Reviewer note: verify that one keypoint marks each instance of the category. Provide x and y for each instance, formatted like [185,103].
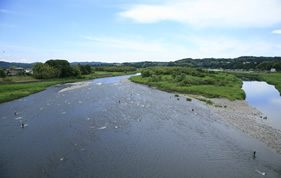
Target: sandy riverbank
[75,86]
[248,119]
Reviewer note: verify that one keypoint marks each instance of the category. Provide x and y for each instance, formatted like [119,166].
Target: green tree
[88,68]
[2,73]
[44,71]
[277,66]
[76,71]
[63,66]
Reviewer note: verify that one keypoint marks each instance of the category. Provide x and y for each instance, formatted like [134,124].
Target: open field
[17,79]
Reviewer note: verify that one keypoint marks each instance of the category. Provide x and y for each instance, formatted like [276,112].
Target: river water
[266,99]
[87,132]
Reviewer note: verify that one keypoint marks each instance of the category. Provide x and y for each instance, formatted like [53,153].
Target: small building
[15,71]
[19,69]
[29,71]
[12,72]
[272,70]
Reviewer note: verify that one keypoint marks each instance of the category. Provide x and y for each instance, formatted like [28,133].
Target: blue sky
[139,30]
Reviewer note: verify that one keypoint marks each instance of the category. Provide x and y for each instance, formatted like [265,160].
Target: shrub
[206,101]
[155,78]
[2,73]
[160,78]
[188,99]
[146,73]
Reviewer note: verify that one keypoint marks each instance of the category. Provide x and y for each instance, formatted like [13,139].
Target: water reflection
[265,98]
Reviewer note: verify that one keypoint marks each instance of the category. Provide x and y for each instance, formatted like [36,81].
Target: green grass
[18,89]
[10,92]
[221,85]
[16,79]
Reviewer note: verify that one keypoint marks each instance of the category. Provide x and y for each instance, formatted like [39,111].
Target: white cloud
[6,11]
[202,13]
[276,31]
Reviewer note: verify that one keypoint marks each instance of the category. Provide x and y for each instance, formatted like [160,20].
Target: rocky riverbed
[248,119]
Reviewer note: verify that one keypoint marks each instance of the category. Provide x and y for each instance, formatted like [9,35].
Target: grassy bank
[10,92]
[21,86]
[192,81]
[270,78]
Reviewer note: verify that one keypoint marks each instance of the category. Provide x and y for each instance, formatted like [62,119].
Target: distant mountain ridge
[5,65]
[243,62]
[89,63]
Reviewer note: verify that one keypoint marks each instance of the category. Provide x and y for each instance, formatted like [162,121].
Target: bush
[188,99]
[206,101]
[2,73]
[160,78]
[146,73]
[154,78]
[44,71]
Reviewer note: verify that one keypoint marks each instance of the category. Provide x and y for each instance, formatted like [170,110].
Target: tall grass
[211,86]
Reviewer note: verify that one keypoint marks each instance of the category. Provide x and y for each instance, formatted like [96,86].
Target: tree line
[59,69]
[116,69]
[243,62]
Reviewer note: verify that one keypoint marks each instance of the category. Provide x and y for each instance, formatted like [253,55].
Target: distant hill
[243,62]
[91,63]
[5,65]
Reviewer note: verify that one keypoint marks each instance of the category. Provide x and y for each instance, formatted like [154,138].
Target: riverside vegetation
[270,78]
[177,79]
[185,80]
[209,84]
[51,73]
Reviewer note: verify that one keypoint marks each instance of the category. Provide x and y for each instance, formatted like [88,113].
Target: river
[266,99]
[121,129]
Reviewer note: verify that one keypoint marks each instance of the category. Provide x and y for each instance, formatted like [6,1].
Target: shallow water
[87,132]
[266,99]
